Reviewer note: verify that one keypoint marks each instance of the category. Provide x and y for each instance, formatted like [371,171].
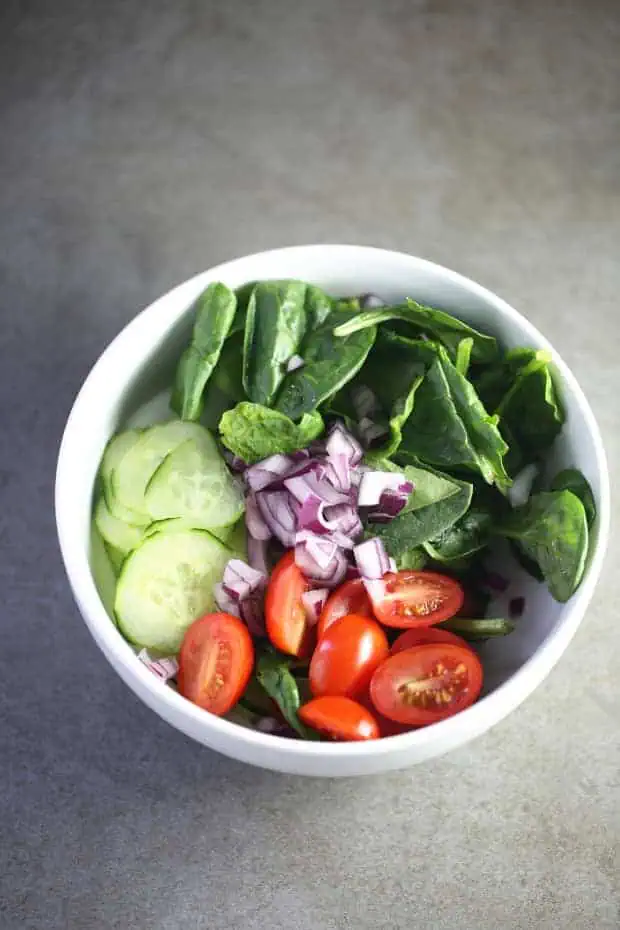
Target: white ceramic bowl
[141,360]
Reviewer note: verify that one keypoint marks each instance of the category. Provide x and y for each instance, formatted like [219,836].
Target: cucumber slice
[174,524]
[132,474]
[104,575]
[237,539]
[194,483]
[115,451]
[122,536]
[116,558]
[166,584]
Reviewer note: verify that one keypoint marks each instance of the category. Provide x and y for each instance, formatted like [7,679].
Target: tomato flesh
[285,617]
[215,662]
[415,599]
[425,684]
[349,598]
[423,636]
[339,718]
[346,656]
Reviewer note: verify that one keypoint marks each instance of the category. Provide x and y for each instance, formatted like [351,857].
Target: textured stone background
[143,141]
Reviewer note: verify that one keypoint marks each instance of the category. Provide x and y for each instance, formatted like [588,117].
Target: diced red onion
[390,505]
[320,559]
[371,302]
[314,481]
[254,521]
[267,725]
[393,566]
[233,461]
[245,586]
[375,589]
[341,442]
[519,493]
[165,669]
[369,430]
[262,474]
[371,558]
[257,554]
[313,602]
[224,601]
[364,401]
[374,483]
[516,607]
[494,581]
[295,362]
[279,514]
[352,572]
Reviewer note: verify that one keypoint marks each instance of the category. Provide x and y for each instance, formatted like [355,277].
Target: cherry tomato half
[215,662]
[285,616]
[425,684]
[347,655]
[423,636]
[349,598]
[339,718]
[418,599]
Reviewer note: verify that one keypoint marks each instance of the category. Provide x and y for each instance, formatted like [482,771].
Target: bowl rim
[480,716]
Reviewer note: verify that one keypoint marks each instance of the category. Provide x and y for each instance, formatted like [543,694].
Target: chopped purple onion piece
[295,362]
[264,473]
[371,302]
[257,554]
[375,589]
[320,559]
[313,602]
[371,558]
[495,581]
[225,602]
[341,442]
[279,513]
[516,607]
[254,521]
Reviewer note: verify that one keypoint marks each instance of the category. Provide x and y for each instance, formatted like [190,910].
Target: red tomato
[339,718]
[347,655]
[285,617]
[215,662]
[387,727]
[349,598]
[422,636]
[418,599]
[425,684]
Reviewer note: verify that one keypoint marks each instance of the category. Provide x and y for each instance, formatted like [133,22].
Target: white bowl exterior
[101,407]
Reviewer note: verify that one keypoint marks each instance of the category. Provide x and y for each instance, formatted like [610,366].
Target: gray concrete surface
[141,142]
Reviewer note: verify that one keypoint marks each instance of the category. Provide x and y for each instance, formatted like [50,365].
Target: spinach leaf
[470,534]
[274,327]
[463,356]
[434,505]
[243,295]
[215,310]
[254,432]
[225,388]
[274,674]
[530,410]
[448,329]
[394,373]
[552,530]
[477,630]
[571,479]
[329,362]
[448,426]
[411,560]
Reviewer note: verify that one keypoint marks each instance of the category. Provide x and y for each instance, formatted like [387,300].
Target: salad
[302,546]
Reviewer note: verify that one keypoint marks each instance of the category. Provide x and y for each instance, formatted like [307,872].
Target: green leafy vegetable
[224,389]
[448,426]
[552,530]
[477,630]
[329,363]
[463,356]
[254,432]
[412,560]
[443,326]
[215,311]
[435,504]
[274,327]
[571,479]
[274,674]
[470,534]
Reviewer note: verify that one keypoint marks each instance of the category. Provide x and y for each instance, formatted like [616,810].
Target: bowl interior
[126,385]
